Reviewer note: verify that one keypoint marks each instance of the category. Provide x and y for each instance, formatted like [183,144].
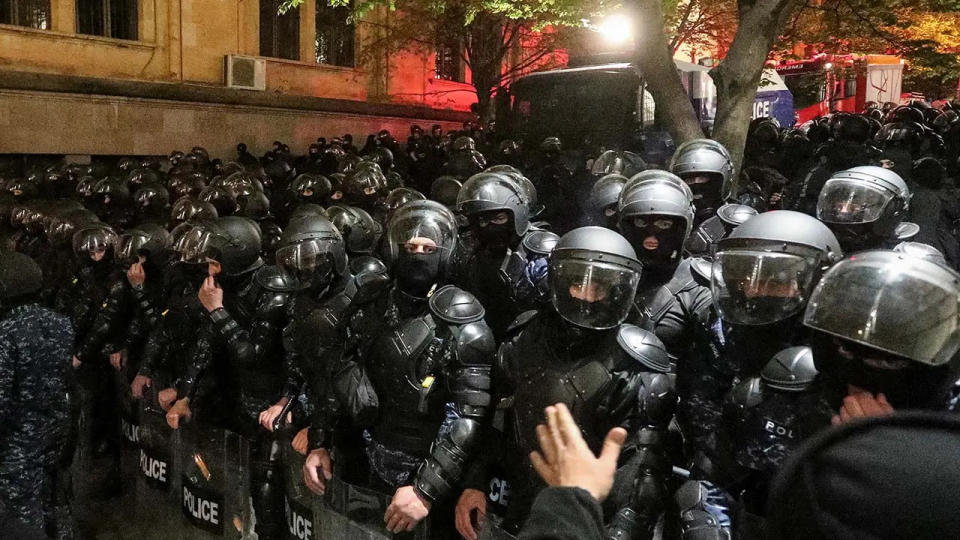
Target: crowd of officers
[411,309]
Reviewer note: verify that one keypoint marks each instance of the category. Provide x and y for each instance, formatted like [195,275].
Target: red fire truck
[831,83]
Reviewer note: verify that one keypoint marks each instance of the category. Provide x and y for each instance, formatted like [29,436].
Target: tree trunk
[738,75]
[656,62]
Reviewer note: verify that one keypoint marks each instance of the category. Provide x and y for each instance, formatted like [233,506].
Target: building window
[108,18]
[448,66]
[279,33]
[335,35]
[31,13]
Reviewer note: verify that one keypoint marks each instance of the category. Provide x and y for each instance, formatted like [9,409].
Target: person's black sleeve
[564,513]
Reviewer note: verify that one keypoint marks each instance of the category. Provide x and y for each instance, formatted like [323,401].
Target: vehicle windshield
[590,109]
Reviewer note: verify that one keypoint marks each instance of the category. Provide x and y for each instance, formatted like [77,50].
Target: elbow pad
[447,461]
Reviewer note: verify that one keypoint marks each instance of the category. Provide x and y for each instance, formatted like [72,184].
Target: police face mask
[417,273]
[905,383]
[658,240]
[706,193]
[494,229]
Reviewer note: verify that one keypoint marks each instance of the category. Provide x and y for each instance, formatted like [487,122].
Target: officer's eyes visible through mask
[420,245]
[500,218]
[662,224]
[589,292]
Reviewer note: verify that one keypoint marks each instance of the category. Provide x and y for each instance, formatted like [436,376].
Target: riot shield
[157,479]
[298,504]
[129,409]
[354,512]
[214,496]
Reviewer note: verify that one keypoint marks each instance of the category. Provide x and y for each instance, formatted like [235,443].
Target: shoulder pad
[644,347]
[272,279]
[701,270]
[455,305]
[367,286]
[540,242]
[905,231]
[521,321]
[748,393]
[367,263]
[791,370]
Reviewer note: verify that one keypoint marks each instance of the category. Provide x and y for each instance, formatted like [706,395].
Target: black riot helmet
[852,128]
[148,240]
[255,206]
[183,184]
[551,145]
[311,188]
[151,201]
[359,230]
[863,206]
[485,194]
[420,242]
[898,134]
[594,273]
[764,271]
[232,241]
[239,184]
[382,156]
[656,216]
[191,209]
[24,189]
[615,162]
[887,322]
[60,230]
[763,134]
[604,196]
[464,144]
[364,186]
[399,197]
[707,167]
[308,209]
[336,187]
[95,242]
[445,190]
[311,251]
[221,198]
[142,177]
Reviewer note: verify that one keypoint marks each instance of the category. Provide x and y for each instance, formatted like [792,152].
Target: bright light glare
[615,28]
[828,66]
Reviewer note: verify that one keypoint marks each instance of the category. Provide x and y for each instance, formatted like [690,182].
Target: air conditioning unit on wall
[245,72]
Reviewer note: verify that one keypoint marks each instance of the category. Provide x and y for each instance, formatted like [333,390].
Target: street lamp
[616,29]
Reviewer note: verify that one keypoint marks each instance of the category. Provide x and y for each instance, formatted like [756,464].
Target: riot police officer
[705,165]
[501,264]
[865,207]
[425,350]
[579,352]
[886,324]
[240,355]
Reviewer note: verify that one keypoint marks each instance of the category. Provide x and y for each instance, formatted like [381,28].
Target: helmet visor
[592,294]
[308,260]
[910,309]
[89,241]
[843,201]
[423,227]
[760,287]
[129,247]
[198,246]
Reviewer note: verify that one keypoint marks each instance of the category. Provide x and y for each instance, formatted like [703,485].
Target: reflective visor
[760,287]
[93,240]
[307,260]
[129,246]
[844,201]
[908,308]
[592,294]
[199,246]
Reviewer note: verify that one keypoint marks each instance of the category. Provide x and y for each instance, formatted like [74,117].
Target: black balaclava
[417,273]
[669,241]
